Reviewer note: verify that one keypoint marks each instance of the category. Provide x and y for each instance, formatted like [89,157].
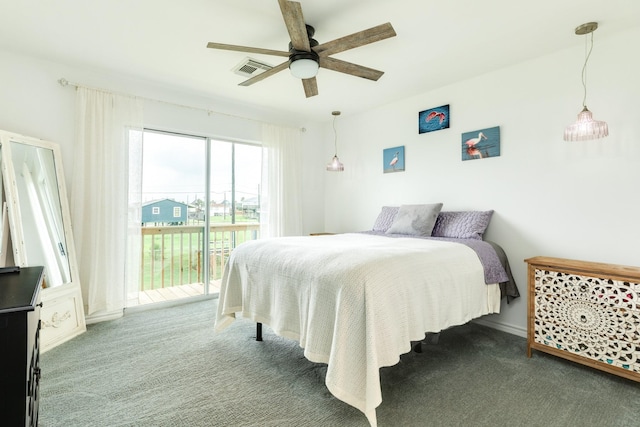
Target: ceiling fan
[306,55]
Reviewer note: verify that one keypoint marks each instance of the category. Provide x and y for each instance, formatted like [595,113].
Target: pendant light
[335,165]
[585,127]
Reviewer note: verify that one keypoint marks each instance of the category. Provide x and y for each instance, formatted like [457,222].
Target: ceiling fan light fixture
[304,65]
[304,50]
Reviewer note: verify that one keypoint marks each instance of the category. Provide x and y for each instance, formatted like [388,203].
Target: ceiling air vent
[250,67]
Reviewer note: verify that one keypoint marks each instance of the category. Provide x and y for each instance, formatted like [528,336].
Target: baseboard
[103,317]
[511,329]
[171,303]
[112,315]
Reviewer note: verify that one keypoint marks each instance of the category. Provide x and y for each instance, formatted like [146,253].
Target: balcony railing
[172,255]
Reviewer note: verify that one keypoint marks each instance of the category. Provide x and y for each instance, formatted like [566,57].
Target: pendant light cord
[335,133]
[584,70]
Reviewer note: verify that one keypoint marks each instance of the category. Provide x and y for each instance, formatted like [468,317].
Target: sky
[174,167]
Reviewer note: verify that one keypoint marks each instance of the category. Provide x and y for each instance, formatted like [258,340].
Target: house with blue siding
[164,212]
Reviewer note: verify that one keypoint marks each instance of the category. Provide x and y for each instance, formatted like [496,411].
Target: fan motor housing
[295,54]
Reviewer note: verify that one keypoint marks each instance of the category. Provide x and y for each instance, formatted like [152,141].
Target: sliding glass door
[234,201]
[173,178]
[199,199]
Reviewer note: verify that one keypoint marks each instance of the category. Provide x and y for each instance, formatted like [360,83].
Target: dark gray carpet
[166,367]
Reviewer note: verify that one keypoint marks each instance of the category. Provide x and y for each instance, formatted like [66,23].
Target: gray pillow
[415,220]
[385,218]
[462,225]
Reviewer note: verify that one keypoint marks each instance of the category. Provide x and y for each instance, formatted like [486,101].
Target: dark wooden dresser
[19,346]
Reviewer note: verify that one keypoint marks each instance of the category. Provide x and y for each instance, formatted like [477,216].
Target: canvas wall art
[481,144]
[433,119]
[393,159]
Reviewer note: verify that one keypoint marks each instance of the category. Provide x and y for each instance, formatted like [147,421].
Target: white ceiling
[437,42]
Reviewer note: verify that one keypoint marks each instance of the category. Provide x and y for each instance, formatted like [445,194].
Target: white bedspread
[355,301]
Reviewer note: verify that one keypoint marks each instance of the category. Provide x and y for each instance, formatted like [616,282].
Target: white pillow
[415,220]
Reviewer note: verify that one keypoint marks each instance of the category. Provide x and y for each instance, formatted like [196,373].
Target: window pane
[173,180]
[234,200]
[247,178]
[221,180]
[173,167]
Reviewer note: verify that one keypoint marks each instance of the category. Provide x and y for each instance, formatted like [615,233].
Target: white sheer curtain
[99,195]
[281,198]
[134,218]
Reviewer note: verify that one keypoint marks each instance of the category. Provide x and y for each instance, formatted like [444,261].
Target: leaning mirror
[40,231]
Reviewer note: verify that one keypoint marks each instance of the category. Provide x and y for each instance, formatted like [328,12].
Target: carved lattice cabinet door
[586,312]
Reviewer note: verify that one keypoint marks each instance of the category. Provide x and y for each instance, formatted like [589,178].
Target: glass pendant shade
[586,128]
[335,165]
[304,68]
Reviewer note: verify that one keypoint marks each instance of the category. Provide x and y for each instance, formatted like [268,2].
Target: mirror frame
[62,312]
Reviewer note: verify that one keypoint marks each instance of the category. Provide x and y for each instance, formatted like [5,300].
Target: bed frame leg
[430,338]
[258,331]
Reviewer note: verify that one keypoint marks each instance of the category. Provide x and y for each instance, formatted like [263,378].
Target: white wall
[575,200]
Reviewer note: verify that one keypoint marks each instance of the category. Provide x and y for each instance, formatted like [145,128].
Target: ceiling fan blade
[237,48]
[310,87]
[264,75]
[294,20]
[361,38]
[350,68]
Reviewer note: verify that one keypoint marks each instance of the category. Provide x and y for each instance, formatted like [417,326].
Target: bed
[357,301]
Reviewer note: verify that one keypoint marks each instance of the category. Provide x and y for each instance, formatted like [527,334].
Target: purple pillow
[385,218]
[462,225]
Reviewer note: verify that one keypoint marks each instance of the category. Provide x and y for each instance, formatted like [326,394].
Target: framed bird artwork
[481,144]
[433,119]
[393,159]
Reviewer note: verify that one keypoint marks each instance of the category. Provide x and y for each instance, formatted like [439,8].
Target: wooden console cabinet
[20,346]
[585,312]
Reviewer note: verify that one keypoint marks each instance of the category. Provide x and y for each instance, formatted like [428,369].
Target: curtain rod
[64,83]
